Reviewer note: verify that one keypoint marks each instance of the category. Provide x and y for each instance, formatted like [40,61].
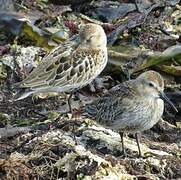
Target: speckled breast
[142,116]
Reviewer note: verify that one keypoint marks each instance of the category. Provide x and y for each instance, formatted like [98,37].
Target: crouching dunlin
[133,106]
[70,66]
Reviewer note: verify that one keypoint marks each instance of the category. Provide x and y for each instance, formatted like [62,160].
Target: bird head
[92,36]
[151,84]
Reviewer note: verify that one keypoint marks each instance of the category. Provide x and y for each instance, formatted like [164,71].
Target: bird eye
[151,84]
[89,40]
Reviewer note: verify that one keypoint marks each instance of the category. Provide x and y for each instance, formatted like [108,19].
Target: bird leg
[126,71]
[137,141]
[122,141]
[71,111]
[69,102]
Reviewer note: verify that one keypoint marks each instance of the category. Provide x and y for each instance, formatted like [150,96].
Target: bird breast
[94,67]
[140,116]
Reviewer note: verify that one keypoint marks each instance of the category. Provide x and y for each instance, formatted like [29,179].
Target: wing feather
[55,61]
[66,67]
[107,108]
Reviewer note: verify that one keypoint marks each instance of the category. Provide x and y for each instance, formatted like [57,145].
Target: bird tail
[91,110]
[21,92]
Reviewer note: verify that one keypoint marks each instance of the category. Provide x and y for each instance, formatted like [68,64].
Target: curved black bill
[164,97]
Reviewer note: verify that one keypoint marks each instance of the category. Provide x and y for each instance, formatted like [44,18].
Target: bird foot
[124,154]
[140,156]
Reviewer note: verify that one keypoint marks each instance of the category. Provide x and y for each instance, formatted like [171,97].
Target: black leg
[137,141]
[137,8]
[69,102]
[70,109]
[126,72]
[122,141]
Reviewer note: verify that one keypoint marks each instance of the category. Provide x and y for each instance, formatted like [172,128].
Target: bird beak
[164,97]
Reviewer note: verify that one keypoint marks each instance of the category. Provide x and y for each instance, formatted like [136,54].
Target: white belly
[141,117]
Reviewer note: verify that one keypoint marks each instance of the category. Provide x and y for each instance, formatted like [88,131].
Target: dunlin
[70,66]
[133,106]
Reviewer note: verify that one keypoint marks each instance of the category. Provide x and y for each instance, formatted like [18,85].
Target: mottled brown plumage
[132,106]
[71,65]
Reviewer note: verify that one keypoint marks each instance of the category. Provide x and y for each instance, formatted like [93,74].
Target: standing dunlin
[70,66]
[133,106]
